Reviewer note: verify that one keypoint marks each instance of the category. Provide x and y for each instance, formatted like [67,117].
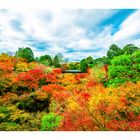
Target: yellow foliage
[73,105]
[5,58]
[97,73]
[40,95]
[21,67]
[67,79]
[32,65]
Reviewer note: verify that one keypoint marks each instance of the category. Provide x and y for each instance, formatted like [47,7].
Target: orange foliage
[30,79]
[81,99]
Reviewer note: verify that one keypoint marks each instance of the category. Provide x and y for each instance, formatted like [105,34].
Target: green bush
[50,121]
[8,126]
[4,113]
[74,66]
[124,68]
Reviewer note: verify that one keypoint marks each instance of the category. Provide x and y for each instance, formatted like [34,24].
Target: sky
[75,34]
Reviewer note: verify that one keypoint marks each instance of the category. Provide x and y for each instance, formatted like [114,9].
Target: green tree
[46,60]
[124,68]
[89,60]
[56,61]
[60,57]
[113,51]
[100,61]
[129,49]
[26,53]
[83,65]
[74,66]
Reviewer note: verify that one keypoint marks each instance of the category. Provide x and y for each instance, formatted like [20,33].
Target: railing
[71,71]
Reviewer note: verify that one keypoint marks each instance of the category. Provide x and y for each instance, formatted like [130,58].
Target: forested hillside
[35,94]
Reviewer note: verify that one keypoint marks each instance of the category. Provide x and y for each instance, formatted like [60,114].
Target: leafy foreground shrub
[50,121]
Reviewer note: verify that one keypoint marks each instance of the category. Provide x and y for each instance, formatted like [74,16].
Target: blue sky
[74,33]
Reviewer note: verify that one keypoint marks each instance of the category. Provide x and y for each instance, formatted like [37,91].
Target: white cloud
[129,28]
[64,30]
[54,26]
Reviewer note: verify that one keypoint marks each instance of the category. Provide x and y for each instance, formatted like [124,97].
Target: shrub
[4,113]
[50,122]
